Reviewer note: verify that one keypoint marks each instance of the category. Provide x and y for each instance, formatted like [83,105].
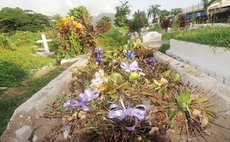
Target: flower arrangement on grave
[131,97]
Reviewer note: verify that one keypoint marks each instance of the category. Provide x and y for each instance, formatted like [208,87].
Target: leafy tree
[122,13]
[164,14]
[175,11]
[104,24]
[154,12]
[12,19]
[206,4]
[78,12]
[139,21]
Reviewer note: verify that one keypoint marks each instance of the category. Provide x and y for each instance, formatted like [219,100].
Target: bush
[182,21]
[156,28]
[165,23]
[164,48]
[75,38]
[104,24]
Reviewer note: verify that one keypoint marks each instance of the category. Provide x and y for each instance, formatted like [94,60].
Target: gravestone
[45,48]
[152,37]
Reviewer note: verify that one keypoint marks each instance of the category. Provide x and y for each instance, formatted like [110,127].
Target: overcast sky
[51,7]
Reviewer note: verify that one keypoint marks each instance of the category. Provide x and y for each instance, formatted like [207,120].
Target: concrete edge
[197,78]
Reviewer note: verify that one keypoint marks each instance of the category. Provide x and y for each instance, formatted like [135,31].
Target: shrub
[156,28]
[182,21]
[165,23]
[139,21]
[104,24]
[164,48]
[76,38]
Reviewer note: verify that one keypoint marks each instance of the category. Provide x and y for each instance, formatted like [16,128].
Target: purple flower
[84,99]
[150,62]
[121,112]
[99,52]
[133,67]
[129,54]
[99,55]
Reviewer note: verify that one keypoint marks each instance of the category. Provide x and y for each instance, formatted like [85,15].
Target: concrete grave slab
[214,61]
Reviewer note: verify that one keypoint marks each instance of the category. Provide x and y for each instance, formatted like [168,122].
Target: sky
[52,7]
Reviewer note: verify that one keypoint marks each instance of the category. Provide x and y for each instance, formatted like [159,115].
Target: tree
[104,24]
[12,19]
[206,4]
[78,12]
[122,13]
[154,12]
[164,14]
[139,21]
[175,11]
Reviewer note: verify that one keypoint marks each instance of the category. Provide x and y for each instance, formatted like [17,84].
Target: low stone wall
[217,93]
[27,123]
[214,61]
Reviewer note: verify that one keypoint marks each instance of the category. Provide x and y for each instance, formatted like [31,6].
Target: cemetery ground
[22,72]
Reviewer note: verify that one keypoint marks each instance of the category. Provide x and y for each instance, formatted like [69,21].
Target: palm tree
[154,12]
[207,3]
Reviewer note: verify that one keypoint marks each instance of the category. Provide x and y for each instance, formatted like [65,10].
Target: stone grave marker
[45,48]
[152,37]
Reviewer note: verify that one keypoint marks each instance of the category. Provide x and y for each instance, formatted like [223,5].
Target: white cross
[45,42]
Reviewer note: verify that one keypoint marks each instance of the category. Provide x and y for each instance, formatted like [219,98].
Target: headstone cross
[45,43]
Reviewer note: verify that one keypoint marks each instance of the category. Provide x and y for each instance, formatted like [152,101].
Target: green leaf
[167,73]
[184,100]
[176,77]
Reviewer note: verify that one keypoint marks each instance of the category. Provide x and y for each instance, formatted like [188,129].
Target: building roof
[199,6]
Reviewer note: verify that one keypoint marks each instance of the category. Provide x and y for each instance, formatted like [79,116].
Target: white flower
[99,79]
[130,67]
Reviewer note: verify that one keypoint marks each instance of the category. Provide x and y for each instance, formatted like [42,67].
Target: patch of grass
[8,103]
[210,36]
[113,39]
[17,65]
[164,48]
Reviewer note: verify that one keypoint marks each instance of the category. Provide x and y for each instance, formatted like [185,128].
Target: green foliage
[11,75]
[19,64]
[156,28]
[77,13]
[113,39]
[175,11]
[164,14]
[164,48]
[211,36]
[75,38]
[139,21]
[12,19]
[122,13]
[184,100]
[104,24]
[154,12]
[8,103]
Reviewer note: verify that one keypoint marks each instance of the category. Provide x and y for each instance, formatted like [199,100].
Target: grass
[211,36]
[113,39]
[9,101]
[19,64]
